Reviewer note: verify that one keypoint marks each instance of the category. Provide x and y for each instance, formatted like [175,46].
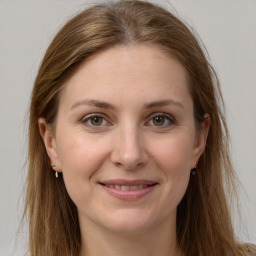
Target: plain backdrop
[228,30]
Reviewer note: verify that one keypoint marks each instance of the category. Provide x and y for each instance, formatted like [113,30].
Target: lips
[128,189]
[123,187]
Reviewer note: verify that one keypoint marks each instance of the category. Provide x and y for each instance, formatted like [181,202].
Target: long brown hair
[203,220]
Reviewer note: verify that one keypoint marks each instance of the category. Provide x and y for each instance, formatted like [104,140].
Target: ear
[200,140]
[47,134]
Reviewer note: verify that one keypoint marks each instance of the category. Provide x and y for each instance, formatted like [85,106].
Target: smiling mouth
[125,187]
[128,190]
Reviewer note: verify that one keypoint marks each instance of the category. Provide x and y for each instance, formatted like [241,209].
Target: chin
[129,222]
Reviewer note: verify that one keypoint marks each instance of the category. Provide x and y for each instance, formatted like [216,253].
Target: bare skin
[125,141]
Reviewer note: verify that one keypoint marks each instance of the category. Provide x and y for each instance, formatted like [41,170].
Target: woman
[128,146]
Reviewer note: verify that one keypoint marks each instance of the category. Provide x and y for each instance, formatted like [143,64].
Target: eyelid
[87,117]
[162,114]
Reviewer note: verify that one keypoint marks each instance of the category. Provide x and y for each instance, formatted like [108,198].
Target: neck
[157,241]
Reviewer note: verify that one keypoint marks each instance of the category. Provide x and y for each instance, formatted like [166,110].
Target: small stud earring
[193,171]
[56,173]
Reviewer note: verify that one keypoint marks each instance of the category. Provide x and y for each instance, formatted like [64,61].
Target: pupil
[159,120]
[96,121]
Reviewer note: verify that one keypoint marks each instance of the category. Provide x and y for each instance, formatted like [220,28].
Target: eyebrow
[163,103]
[106,105]
[95,103]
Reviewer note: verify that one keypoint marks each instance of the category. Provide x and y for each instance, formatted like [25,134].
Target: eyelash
[89,118]
[170,119]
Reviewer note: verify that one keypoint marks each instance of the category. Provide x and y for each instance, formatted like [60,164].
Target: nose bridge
[129,149]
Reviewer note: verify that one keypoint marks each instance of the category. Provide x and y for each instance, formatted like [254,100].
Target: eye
[95,120]
[161,120]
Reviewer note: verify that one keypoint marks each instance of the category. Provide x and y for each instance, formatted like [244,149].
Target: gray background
[228,30]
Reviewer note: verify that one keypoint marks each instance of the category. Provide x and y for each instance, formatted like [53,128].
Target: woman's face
[125,138]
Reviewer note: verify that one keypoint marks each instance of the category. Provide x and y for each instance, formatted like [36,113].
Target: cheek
[80,157]
[175,154]
[81,154]
[173,158]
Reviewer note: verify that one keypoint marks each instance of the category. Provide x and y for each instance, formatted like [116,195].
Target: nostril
[129,156]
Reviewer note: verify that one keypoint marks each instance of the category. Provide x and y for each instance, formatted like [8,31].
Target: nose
[129,149]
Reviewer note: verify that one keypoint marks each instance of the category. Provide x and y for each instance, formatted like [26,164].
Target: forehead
[122,71]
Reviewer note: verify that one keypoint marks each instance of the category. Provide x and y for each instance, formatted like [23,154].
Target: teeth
[123,187]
